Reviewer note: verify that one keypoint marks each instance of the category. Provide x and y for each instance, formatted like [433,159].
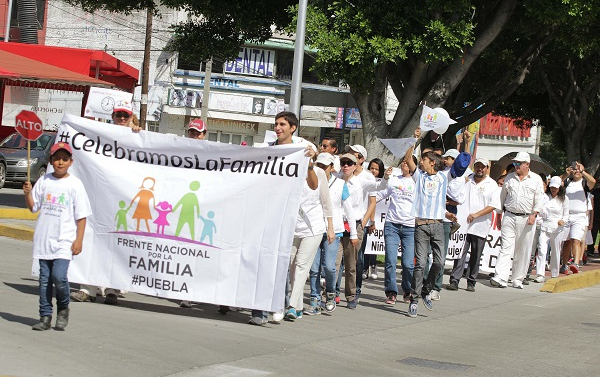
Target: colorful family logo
[61,200]
[188,208]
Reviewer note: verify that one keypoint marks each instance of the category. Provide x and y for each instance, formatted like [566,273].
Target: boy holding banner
[63,207]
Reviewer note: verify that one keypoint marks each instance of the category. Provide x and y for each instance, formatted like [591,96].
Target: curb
[17,213]
[571,282]
[19,232]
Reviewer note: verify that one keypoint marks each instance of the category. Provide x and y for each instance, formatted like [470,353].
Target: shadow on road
[17,318]
[27,289]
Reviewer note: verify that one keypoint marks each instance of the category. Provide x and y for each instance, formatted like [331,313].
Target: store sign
[252,61]
[233,125]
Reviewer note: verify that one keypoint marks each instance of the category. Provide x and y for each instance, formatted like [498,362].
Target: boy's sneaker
[525,281]
[539,279]
[330,304]
[365,275]
[391,299]
[277,317]
[452,286]
[373,274]
[412,309]
[184,304]
[406,298]
[81,296]
[564,269]
[427,301]
[257,321]
[435,295]
[351,304]
[111,299]
[299,314]
[291,314]
[470,287]
[574,268]
[43,324]
[62,319]
[314,307]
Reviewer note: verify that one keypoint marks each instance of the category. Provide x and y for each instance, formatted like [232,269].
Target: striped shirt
[430,195]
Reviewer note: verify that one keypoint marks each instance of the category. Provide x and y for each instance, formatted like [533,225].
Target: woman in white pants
[554,216]
[315,209]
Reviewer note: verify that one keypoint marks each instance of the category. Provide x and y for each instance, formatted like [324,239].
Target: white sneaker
[517,284]
[434,295]
[277,316]
[540,279]
[373,273]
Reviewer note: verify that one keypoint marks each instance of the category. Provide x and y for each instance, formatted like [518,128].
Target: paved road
[498,332]
[11,196]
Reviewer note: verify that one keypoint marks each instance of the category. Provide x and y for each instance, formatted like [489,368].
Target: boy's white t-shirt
[60,203]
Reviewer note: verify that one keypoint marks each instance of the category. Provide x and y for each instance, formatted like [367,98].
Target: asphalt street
[11,196]
[499,332]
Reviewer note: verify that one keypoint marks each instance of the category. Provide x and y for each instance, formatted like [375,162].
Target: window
[213,136]
[40,12]
[152,126]
[224,138]
[188,64]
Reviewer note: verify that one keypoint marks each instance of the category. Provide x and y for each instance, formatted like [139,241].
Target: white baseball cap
[555,181]
[325,159]
[357,148]
[522,157]
[483,161]
[451,153]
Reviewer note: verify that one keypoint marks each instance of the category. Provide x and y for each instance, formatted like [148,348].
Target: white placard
[101,102]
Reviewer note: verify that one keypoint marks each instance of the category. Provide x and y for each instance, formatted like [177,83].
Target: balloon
[441,130]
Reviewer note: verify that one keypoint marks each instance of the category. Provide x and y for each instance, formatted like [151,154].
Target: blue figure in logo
[209,227]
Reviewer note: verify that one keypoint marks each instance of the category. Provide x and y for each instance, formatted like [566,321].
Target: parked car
[2,170]
[14,148]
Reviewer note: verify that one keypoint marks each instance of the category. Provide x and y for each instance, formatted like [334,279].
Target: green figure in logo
[121,216]
[190,209]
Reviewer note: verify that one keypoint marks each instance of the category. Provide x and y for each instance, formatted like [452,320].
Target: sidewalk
[19,224]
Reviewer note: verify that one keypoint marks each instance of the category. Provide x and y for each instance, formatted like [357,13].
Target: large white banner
[185,219]
[376,242]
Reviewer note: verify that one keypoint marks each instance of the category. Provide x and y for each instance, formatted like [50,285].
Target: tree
[214,28]
[427,52]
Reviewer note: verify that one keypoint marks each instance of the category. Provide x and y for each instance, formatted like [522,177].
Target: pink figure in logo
[163,209]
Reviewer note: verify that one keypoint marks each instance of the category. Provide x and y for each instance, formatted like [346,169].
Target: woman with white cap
[554,216]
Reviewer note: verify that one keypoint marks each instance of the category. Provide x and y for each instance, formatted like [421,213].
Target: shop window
[224,138]
[213,136]
[236,139]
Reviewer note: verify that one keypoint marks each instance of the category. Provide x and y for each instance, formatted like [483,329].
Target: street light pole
[146,68]
[8,16]
[296,91]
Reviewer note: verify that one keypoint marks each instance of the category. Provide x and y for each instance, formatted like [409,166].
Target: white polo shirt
[478,196]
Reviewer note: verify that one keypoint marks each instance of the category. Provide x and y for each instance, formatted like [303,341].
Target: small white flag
[432,119]
[398,147]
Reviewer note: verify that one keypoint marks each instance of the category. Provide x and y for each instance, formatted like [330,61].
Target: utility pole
[206,91]
[296,91]
[146,68]
[8,16]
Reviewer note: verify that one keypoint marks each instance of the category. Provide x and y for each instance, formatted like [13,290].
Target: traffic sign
[29,125]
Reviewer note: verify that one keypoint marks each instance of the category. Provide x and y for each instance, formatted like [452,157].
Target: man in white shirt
[521,197]
[481,200]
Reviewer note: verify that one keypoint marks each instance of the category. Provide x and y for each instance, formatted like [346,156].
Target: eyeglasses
[517,164]
[347,163]
[122,114]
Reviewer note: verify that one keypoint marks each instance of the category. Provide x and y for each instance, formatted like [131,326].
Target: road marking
[221,370]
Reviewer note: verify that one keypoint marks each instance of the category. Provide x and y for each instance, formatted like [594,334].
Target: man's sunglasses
[347,163]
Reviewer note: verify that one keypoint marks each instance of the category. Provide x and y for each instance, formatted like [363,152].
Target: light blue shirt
[430,195]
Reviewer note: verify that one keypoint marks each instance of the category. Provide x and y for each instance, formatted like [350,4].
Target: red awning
[21,71]
[91,63]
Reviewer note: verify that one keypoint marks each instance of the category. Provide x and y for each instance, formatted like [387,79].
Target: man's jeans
[326,256]
[426,236]
[53,273]
[395,235]
[360,260]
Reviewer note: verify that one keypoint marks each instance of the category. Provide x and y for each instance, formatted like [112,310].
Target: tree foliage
[214,27]
[468,56]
